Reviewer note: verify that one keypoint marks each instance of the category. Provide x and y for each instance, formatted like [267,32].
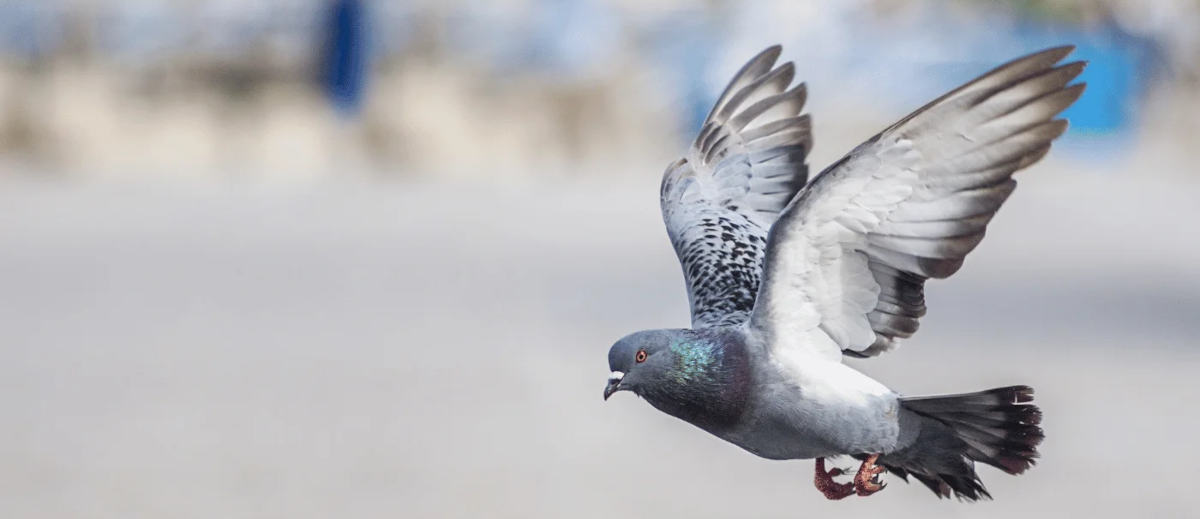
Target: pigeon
[786,276]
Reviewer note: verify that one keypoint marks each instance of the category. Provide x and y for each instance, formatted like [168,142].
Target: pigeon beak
[614,384]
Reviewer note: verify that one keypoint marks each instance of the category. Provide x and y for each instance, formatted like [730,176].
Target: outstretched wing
[719,200]
[847,261]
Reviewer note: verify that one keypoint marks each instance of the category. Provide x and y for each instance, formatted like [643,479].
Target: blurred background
[301,258]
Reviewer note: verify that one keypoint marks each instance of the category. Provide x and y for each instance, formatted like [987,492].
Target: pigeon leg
[866,482]
[824,482]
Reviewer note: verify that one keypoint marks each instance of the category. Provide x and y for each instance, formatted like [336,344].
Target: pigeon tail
[998,427]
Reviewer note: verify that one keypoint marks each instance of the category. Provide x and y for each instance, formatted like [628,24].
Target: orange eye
[640,357]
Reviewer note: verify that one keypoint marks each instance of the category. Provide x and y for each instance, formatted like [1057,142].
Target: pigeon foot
[824,482]
[866,482]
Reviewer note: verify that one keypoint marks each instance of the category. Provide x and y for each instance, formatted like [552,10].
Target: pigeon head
[641,359]
[695,375]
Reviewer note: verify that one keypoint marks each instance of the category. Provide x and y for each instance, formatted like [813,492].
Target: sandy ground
[351,349]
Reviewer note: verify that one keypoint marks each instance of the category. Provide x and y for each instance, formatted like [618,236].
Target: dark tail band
[998,427]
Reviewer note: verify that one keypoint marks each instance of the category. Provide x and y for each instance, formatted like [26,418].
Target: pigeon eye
[640,357]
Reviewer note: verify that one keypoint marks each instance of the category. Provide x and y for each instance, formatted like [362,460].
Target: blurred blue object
[1120,69]
[346,56]
[1115,79]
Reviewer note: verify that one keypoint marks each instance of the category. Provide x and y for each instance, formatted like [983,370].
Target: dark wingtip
[788,68]
[1075,90]
[1060,51]
[801,90]
[1077,64]
[768,55]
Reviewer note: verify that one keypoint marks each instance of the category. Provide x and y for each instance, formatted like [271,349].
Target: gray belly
[780,441]
[783,426]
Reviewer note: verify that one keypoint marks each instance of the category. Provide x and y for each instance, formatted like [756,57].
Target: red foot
[824,482]
[866,482]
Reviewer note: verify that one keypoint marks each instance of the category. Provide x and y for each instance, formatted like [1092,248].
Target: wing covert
[718,201]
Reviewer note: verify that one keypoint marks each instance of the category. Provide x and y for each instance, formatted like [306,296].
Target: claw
[866,482]
[824,482]
[866,488]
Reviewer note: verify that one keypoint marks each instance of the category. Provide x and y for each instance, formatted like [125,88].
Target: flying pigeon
[786,277]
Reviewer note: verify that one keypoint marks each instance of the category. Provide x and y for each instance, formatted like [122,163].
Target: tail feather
[998,427]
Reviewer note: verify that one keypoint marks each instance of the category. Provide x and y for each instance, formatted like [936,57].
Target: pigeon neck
[707,384]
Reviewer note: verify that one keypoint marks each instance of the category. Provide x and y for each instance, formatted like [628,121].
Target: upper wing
[719,200]
[847,261]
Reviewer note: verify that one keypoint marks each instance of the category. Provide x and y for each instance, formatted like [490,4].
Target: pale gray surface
[361,350]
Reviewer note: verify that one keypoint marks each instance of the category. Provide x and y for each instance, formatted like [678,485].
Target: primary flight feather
[786,276]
